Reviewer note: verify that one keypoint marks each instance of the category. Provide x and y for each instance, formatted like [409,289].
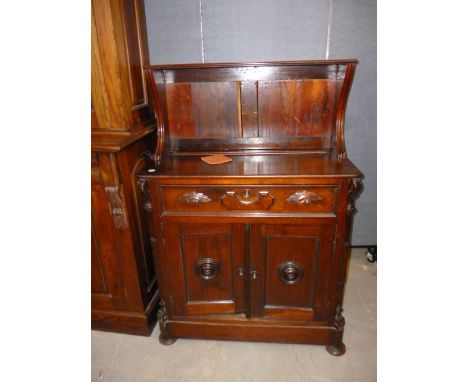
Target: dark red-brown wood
[255,249]
[124,289]
[191,245]
[247,106]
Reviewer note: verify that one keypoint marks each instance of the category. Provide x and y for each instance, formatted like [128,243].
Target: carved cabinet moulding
[117,206]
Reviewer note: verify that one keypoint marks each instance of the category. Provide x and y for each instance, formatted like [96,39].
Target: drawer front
[271,199]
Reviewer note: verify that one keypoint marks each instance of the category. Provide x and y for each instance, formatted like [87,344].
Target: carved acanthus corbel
[355,187]
[117,206]
[165,336]
[162,315]
[339,321]
[143,186]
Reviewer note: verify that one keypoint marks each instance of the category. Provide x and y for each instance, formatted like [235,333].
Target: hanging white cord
[330,18]
[201,33]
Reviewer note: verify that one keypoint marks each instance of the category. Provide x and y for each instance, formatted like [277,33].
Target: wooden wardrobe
[124,290]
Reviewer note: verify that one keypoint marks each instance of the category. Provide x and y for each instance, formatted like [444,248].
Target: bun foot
[336,350]
[166,340]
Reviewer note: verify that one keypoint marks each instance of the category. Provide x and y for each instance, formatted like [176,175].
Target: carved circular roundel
[290,272]
[207,268]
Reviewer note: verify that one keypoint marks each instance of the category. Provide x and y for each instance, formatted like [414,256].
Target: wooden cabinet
[256,248]
[124,289]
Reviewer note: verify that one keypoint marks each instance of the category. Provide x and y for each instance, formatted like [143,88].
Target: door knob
[241,271]
[207,268]
[254,275]
[290,272]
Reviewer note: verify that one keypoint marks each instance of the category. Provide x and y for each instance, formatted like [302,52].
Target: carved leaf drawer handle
[194,197]
[304,198]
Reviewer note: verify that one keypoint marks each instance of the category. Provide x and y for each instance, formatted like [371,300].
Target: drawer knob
[304,198]
[290,272]
[207,268]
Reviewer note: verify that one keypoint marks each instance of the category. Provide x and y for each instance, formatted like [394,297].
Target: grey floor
[125,358]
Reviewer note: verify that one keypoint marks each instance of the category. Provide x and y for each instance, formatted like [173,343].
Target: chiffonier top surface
[262,165]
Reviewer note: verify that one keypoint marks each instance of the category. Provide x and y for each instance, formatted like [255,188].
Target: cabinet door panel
[98,282]
[293,265]
[203,260]
[107,291]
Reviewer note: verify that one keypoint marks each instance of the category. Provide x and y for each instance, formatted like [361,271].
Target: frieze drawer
[272,199]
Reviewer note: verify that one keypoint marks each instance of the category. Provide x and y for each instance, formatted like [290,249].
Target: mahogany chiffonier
[256,248]
[124,289]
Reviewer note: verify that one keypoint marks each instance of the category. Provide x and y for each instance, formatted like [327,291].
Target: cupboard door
[205,264]
[290,270]
[107,289]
